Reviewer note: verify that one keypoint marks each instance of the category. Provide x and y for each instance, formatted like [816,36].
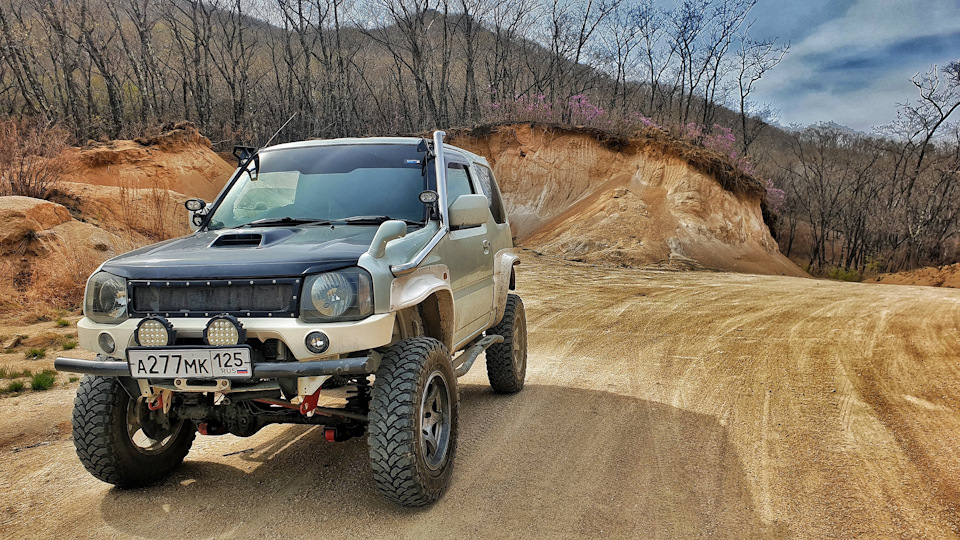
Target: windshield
[327,183]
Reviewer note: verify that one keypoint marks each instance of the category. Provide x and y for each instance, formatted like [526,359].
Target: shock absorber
[358,400]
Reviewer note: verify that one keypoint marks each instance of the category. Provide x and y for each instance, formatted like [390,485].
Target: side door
[468,253]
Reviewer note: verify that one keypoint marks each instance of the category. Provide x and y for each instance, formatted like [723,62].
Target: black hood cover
[251,253]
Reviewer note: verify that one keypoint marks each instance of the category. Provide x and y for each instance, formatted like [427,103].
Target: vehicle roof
[371,140]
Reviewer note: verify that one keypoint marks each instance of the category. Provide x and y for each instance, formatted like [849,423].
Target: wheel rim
[435,421]
[520,344]
[147,436]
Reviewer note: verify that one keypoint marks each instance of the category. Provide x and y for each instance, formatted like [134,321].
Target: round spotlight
[317,342]
[106,342]
[224,331]
[154,331]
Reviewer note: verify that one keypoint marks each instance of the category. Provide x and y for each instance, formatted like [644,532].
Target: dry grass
[61,285]
[31,163]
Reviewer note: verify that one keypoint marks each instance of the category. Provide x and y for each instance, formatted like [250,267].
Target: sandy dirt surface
[932,276]
[658,405]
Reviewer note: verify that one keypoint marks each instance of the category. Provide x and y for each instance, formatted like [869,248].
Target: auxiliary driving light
[224,330]
[317,342]
[154,331]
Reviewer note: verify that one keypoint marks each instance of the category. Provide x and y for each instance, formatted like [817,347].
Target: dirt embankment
[636,202]
[113,198]
[180,159]
[936,276]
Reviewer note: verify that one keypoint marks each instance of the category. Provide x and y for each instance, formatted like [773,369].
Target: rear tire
[507,361]
[120,441]
[413,422]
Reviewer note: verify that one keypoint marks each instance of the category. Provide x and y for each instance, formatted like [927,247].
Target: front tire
[507,361]
[414,422]
[120,441]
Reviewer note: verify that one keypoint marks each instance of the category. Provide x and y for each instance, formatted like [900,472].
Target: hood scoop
[238,240]
[251,239]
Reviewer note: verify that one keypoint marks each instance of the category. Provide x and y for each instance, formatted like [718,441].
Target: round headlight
[105,300]
[332,294]
[154,332]
[344,295]
[223,331]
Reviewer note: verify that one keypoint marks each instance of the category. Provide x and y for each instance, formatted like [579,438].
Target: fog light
[317,342]
[223,331]
[106,342]
[154,331]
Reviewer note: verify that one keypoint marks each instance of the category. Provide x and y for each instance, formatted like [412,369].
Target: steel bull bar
[261,370]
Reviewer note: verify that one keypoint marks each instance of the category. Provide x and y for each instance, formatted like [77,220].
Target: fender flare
[413,289]
[503,264]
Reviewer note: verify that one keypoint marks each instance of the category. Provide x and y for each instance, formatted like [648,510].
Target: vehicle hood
[254,253]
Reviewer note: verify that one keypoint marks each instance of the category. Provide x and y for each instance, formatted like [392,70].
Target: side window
[489,187]
[458,182]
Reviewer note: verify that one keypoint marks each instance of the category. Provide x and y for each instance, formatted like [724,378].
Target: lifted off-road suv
[321,264]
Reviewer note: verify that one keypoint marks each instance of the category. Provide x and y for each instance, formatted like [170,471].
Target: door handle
[486,247]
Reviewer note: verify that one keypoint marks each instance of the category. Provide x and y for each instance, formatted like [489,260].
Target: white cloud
[873,23]
[806,91]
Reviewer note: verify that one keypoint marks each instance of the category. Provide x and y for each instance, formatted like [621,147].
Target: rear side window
[489,187]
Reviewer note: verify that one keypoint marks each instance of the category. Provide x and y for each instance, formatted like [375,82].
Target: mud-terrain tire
[413,422]
[111,439]
[507,361]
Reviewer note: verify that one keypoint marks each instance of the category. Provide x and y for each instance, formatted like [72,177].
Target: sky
[850,61]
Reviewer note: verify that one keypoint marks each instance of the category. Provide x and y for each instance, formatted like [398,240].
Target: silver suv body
[364,263]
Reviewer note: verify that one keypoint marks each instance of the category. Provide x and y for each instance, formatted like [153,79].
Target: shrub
[62,323]
[31,163]
[43,380]
[844,274]
[70,345]
[36,353]
[15,386]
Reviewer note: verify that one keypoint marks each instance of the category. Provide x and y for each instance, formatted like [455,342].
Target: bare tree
[754,59]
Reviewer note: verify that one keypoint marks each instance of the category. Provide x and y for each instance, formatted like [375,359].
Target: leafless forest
[239,68]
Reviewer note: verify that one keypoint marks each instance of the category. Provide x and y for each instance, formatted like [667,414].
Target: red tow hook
[156,405]
[330,434]
[309,403]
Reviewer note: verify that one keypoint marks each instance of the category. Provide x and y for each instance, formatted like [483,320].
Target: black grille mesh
[198,297]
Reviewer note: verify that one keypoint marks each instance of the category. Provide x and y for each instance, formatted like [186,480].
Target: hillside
[114,197]
[649,200]
[936,276]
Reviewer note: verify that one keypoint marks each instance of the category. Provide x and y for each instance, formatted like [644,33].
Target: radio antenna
[279,130]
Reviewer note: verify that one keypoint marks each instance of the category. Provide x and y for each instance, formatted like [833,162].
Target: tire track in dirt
[658,405]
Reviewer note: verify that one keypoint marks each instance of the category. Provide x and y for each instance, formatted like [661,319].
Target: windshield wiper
[268,222]
[374,220]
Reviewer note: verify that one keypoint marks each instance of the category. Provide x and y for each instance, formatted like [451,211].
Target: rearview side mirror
[469,211]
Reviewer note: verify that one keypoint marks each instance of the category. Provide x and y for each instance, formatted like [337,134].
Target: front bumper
[345,337]
[261,370]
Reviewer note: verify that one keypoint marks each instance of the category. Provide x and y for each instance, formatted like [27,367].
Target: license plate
[170,363]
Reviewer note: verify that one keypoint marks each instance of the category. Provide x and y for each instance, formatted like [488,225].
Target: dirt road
[658,405]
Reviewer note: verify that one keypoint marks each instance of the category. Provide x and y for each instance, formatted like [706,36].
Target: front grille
[249,298]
